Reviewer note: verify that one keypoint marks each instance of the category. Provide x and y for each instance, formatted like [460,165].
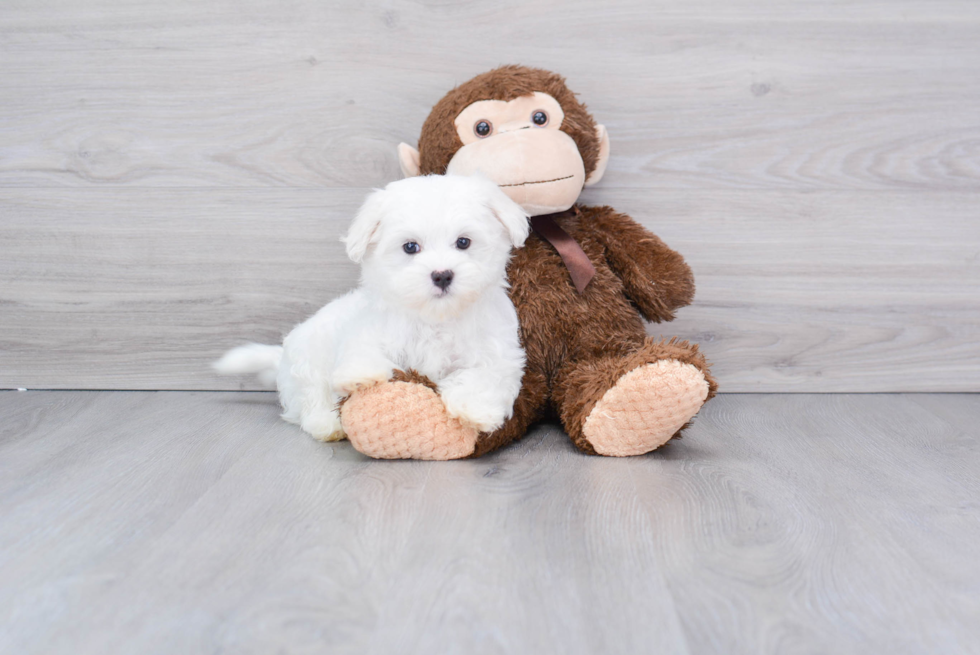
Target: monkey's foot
[404,420]
[645,408]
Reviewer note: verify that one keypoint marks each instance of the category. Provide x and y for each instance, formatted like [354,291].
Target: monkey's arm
[656,278]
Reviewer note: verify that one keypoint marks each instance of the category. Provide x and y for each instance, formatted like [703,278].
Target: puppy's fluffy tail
[254,358]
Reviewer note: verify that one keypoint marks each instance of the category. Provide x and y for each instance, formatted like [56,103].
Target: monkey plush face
[520,146]
[522,128]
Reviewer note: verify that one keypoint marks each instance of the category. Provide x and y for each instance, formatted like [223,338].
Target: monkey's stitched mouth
[557,179]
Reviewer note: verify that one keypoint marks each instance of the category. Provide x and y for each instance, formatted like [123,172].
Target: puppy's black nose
[442,279]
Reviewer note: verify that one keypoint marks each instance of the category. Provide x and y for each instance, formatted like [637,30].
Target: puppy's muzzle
[442,279]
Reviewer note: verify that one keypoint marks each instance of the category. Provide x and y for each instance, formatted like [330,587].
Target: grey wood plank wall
[174,176]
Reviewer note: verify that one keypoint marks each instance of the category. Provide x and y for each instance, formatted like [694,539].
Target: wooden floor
[198,522]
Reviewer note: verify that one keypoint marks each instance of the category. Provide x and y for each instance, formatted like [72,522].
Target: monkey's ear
[600,164]
[511,215]
[408,157]
[364,230]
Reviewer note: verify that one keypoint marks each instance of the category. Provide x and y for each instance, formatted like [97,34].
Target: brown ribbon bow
[575,259]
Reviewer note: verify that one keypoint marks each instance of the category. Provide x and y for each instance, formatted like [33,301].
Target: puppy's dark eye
[462,243]
[412,248]
[483,128]
[539,118]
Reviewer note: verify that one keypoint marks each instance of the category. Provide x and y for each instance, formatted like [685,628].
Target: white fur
[254,358]
[465,339]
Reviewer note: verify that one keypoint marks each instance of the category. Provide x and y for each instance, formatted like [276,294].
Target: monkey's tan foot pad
[404,420]
[645,408]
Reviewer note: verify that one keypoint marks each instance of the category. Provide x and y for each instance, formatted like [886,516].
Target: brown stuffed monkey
[582,285]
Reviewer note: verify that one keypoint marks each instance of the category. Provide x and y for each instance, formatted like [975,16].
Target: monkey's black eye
[462,243]
[412,248]
[483,128]
[539,118]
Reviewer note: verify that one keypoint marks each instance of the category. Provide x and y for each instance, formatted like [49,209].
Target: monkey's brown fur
[578,346]
[439,140]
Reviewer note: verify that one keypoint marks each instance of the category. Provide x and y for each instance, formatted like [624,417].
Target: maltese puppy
[433,298]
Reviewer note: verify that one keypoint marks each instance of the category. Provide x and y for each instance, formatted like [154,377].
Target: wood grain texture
[143,288]
[200,523]
[696,95]
[173,176]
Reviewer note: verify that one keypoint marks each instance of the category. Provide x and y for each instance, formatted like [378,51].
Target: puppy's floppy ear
[364,229]
[511,215]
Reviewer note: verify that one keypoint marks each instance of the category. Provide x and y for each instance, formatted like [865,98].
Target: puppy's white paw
[347,380]
[471,411]
[323,424]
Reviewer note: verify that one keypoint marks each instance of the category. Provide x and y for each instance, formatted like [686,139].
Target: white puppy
[433,253]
